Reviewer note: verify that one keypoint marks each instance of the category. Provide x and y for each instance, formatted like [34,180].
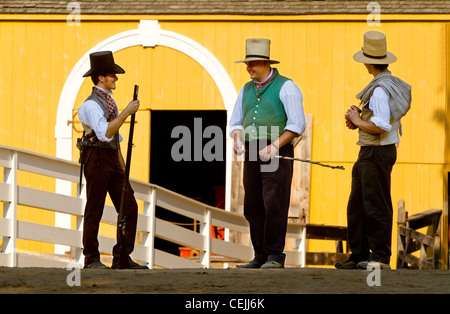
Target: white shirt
[91,114]
[379,104]
[292,99]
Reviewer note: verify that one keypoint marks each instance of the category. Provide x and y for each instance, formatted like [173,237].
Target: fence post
[205,231]
[81,191]
[301,246]
[148,239]
[10,209]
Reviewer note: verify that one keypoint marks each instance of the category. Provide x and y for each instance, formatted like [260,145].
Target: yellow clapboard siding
[316,52]
[6,36]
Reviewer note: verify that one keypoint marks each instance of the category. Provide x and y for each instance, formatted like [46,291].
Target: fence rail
[11,229]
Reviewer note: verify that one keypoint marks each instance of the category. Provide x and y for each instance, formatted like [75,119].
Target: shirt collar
[107,92]
[265,80]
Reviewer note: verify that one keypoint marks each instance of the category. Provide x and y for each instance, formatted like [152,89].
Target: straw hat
[257,49]
[374,50]
[102,62]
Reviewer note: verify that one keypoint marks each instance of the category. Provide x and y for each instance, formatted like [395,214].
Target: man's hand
[132,107]
[350,124]
[350,115]
[238,146]
[115,124]
[354,118]
[269,151]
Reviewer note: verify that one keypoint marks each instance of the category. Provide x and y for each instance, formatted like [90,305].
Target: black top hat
[102,62]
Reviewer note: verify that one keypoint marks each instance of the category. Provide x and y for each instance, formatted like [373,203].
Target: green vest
[263,112]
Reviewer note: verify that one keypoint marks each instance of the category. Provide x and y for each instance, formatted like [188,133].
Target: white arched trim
[148,34]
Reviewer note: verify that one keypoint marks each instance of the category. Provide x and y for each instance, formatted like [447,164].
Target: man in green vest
[267,117]
[383,102]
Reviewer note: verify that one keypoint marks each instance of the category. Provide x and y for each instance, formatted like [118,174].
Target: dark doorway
[187,168]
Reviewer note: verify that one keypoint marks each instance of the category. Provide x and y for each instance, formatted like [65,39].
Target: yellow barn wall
[316,54]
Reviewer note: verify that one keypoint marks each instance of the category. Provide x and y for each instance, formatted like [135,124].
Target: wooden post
[205,231]
[10,209]
[401,222]
[149,237]
[401,213]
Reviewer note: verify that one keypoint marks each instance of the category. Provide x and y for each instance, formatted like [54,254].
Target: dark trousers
[103,175]
[369,211]
[266,201]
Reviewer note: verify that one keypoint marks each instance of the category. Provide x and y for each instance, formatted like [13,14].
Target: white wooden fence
[11,229]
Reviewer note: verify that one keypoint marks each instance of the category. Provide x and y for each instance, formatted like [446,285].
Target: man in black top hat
[103,161]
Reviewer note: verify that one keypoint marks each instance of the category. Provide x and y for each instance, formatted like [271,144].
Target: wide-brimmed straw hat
[374,50]
[102,62]
[257,49]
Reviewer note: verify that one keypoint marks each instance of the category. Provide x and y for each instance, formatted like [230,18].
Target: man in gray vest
[384,101]
[103,161]
[267,116]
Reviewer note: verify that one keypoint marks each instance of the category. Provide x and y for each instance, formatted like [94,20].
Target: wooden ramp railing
[16,197]
[15,161]
[411,240]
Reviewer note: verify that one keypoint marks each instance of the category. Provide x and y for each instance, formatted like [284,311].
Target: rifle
[121,221]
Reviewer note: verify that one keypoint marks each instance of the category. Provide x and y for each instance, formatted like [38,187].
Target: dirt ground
[222,281]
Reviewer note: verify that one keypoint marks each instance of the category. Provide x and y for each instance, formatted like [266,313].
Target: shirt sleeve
[236,115]
[379,104]
[292,99]
[91,115]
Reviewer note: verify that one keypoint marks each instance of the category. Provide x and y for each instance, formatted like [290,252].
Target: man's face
[108,81]
[369,68]
[257,69]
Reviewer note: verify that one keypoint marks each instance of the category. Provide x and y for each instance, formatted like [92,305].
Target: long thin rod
[311,162]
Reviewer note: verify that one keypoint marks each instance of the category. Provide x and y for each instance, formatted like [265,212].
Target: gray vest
[102,101]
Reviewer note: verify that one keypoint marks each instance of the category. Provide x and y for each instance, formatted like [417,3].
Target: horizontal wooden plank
[425,218]
[233,250]
[229,220]
[5,227]
[106,245]
[167,260]
[37,232]
[142,190]
[48,166]
[295,230]
[413,234]
[143,223]
[293,258]
[180,205]
[50,201]
[29,260]
[140,253]
[6,155]
[109,215]
[5,192]
[325,232]
[185,237]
